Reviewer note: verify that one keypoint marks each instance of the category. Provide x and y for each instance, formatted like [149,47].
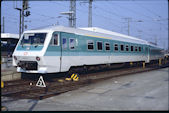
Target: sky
[148,18]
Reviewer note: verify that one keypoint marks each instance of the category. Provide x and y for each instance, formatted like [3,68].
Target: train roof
[100,30]
[95,32]
[9,35]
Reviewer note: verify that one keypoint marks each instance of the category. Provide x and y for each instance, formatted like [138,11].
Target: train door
[147,53]
[53,53]
[66,50]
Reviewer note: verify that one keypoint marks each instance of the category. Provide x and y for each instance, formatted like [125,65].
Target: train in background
[58,49]
[8,43]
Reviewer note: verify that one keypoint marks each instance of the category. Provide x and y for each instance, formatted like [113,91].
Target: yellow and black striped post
[144,64]
[73,77]
[160,62]
[131,63]
[3,108]
[2,84]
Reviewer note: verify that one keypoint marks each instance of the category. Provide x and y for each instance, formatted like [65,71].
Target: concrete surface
[142,91]
[11,76]
[8,72]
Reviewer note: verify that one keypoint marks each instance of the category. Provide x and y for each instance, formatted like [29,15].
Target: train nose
[23,65]
[20,64]
[28,65]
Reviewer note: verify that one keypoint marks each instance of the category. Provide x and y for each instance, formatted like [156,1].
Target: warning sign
[40,82]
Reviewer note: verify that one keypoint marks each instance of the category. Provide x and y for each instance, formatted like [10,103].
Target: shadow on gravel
[50,76]
[46,77]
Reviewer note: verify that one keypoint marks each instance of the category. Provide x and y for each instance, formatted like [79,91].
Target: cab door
[53,53]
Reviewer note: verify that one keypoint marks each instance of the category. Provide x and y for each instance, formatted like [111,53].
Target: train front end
[28,56]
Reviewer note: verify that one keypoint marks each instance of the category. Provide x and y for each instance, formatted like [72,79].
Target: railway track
[27,89]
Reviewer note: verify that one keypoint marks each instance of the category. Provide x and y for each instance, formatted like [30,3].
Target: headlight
[15,57]
[38,58]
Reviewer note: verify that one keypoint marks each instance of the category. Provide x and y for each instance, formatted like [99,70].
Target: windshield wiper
[36,45]
[22,45]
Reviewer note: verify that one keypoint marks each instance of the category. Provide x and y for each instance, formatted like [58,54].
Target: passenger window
[90,45]
[127,48]
[122,47]
[107,46]
[99,46]
[54,40]
[139,48]
[116,47]
[135,48]
[64,43]
[72,43]
[131,48]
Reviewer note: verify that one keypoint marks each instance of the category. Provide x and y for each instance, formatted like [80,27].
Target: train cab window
[64,43]
[139,48]
[122,47]
[127,48]
[54,40]
[131,48]
[72,43]
[135,48]
[99,46]
[90,45]
[116,47]
[107,46]
[31,39]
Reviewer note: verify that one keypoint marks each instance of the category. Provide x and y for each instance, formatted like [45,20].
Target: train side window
[131,48]
[90,44]
[64,43]
[116,47]
[99,46]
[127,48]
[139,48]
[72,43]
[107,46]
[54,40]
[135,48]
[122,47]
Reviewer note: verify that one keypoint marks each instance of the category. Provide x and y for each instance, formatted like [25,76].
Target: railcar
[57,49]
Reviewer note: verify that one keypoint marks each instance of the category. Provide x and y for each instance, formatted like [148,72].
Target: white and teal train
[57,49]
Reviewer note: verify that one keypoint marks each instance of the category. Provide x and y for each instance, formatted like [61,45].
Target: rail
[27,88]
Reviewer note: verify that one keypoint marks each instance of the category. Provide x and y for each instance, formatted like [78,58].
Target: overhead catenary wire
[108,18]
[48,17]
[150,18]
[139,13]
[151,12]
[110,12]
[99,15]
[147,9]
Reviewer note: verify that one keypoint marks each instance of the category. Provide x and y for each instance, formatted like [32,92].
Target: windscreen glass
[33,39]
